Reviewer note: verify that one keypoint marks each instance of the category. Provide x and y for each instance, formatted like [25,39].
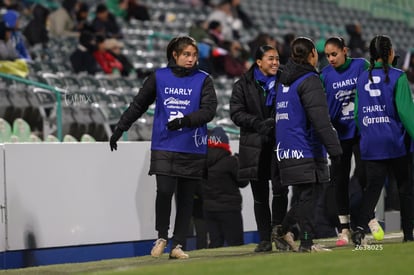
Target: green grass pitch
[389,256]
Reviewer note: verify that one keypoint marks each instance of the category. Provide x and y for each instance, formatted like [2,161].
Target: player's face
[269,64]
[187,58]
[335,55]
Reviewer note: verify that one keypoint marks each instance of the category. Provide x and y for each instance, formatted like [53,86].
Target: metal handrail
[47,87]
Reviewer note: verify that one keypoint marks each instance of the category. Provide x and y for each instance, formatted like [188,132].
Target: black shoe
[358,236]
[263,246]
[408,239]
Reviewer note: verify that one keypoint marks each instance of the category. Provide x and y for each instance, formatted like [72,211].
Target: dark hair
[178,44]
[214,25]
[99,38]
[83,7]
[380,47]
[337,41]
[101,8]
[86,38]
[262,50]
[301,48]
[69,5]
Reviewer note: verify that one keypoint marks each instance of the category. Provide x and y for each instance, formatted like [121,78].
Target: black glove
[179,123]
[264,127]
[114,138]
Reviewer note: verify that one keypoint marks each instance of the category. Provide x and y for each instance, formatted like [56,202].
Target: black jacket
[313,99]
[247,109]
[82,60]
[35,31]
[221,189]
[166,162]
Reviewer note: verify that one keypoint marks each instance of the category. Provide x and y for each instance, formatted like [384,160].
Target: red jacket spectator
[107,61]
[104,58]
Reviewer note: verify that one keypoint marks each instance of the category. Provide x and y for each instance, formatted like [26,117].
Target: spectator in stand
[286,51]
[262,39]
[35,31]
[223,13]
[215,32]
[9,58]
[137,11]
[82,58]
[82,13]
[199,30]
[238,12]
[108,63]
[11,18]
[356,44]
[236,61]
[12,5]
[222,200]
[193,3]
[62,20]
[128,9]
[7,49]
[105,23]
[114,47]
[119,8]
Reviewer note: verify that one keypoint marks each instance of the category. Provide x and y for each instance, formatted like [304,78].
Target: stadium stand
[93,104]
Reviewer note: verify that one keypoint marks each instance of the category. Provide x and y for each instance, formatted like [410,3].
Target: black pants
[224,227]
[340,174]
[303,212]
[377,172]
[184,189]
[266,219]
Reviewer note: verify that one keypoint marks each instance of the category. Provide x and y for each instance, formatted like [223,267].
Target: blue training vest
[177,97]
[340,93]
[382,133]
[294,138]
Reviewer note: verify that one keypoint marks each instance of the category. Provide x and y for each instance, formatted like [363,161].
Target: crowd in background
[98,32]
[222,52]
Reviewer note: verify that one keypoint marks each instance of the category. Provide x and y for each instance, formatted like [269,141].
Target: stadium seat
[17,96]
[5,131]
[6,107]
[51,138]
[87,138]
[69,138]
[44,101]
[14,139]
[34,138]
[80,107]
[21,129]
